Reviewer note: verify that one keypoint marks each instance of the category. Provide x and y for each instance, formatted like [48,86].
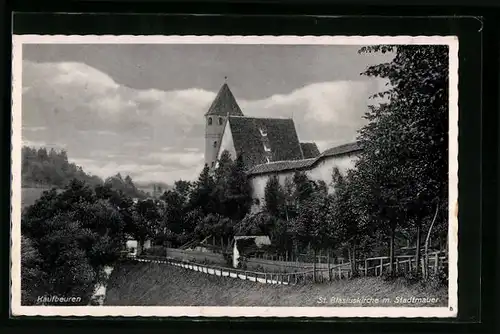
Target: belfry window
[221,120]
[210,121]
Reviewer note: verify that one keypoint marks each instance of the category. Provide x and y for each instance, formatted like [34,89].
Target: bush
[155,251]
[439,279]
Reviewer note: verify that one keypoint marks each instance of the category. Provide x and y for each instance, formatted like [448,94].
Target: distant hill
[41,168]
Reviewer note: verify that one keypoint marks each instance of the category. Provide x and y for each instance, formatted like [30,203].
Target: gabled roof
[224,104]
[304,164]
[281,166]
[342,149]
[278,134]
[310,150]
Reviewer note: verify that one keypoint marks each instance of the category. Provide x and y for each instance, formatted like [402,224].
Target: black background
[478,35]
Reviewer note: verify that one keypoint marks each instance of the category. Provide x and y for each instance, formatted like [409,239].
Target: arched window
[221,120]
[215,143]
[210,121]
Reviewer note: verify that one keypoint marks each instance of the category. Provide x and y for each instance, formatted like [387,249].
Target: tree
[72,236]
[347,214]
[175,209]
[260,223]
[52,168]
[203,189]
[274,198]
[221,179]
[289,198]
[183,188]
[223,166]
[147,221]
[126,185]
[405,142]
[313,226]
[238,192]
[304,188]
[32,277]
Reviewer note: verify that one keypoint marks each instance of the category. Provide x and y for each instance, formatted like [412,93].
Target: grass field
[147,284]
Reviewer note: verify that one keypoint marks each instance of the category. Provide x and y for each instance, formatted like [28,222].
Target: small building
[258,240]
[133,248]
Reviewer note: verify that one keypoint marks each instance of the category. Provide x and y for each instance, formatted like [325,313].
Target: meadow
[153,284]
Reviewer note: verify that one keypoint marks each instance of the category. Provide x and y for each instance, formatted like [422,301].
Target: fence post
[397,264]
[436,263]
[424,267]
[329,266]
[340,272]
[381,266]
[366,267]
[265,277]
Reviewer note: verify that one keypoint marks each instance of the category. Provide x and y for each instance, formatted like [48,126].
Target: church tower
[223,106]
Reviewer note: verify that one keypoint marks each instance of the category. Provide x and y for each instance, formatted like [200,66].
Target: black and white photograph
[209,176]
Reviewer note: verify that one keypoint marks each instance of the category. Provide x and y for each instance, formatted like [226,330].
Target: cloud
[328,113]
[159,135]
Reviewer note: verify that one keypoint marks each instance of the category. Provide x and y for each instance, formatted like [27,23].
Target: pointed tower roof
[224,103]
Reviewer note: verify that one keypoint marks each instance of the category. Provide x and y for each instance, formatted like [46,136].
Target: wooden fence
[287,278]
[375,266]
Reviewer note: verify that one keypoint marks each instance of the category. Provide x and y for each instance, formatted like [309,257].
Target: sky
[139,109]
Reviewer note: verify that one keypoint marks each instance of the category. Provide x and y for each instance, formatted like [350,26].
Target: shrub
[155,251]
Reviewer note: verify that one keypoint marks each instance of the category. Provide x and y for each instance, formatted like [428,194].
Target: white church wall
[227,143]
[323,170]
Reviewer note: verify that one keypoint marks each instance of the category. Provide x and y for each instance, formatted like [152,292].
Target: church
[268,146]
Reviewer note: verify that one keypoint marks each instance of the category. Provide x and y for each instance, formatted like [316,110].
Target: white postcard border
[204,311]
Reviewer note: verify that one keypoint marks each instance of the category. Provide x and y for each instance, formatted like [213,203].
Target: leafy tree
[304,188]
[314,224]
[147,219]
[126,185]
[72,236]
[192,219]
[260,223]
[274,197]
[289,198]
[347,214]
[238,192]
[32,277]
[174,210]
[405,145]
[209,226]
[183,188]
